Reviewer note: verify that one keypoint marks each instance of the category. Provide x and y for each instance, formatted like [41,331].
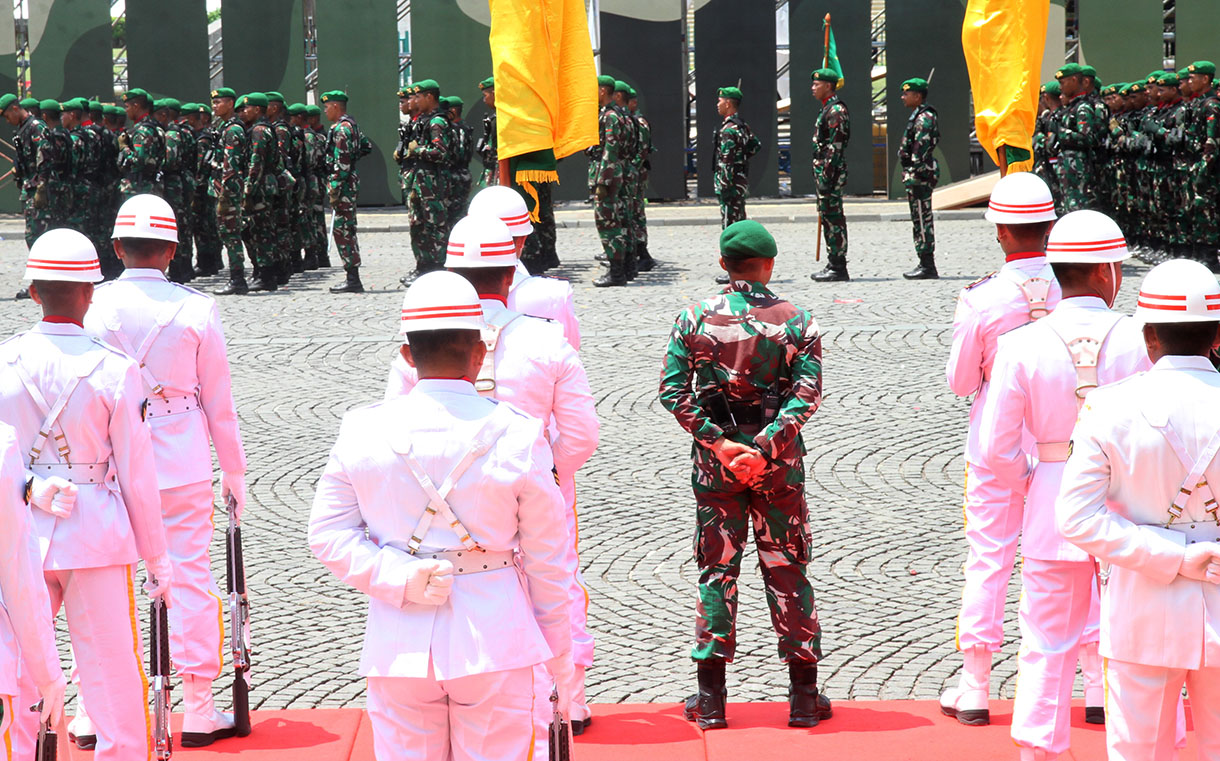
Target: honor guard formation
[451,504]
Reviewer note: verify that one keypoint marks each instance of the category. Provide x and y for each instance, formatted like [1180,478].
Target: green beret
[455,102]
[1088,71]
[172,104]
[1202,67]
[31,103]
[7,100]
[1134,87]
[252,99]
[1152,78]
[825,75]
[632,94]
[747,239]
[296,109]
[488,84]
[732,93]
[135,94]
[1051,88]
[1069,70]
[1168,79]
[605,81]
[428,85]
[1183,73]
[51,106]
[621,86]
[95,105]
[312,110]
[113,111]
[274,97]
[918,84]
[75,104]
[1111,89]
[404,91]
[223,92]
[335,95]
[204,108]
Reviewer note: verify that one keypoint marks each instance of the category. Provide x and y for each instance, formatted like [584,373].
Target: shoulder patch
[981,280]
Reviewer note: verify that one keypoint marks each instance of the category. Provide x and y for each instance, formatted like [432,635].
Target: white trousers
[484,717]
[1055,600]
[1141,711]
[196,617]
[993,524]
[578,593]
[104,626]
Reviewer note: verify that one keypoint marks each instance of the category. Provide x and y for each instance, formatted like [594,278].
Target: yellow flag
[1003,42]
[546,84]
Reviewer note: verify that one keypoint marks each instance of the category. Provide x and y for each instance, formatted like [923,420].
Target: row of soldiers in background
[1146,152]
[618,173]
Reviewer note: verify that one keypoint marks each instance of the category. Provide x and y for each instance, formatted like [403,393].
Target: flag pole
[826,42]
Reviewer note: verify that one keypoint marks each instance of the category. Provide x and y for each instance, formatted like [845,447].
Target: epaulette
[118,352]
[193,290]
[981,280]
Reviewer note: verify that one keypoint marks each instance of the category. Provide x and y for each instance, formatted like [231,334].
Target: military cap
[30,103]
[1051,88]
[1202,67]
[1069,70]
[1111,89]
[1133,88]
[50,105]
[7,100]
[918,84]
[274,97]
[825,75]
[405,91]
[488,84]
[1152,78]
[312,110]
[1088,71]
[1183,73]
[429,85]
[605,81]
[1168,79]
[74,104]
[252,99]
[95,105]
[621,86]
[204,108]
[224,92]
[454,101]
[135,94]
[632,94]
[732,93]
[172,104]
[109,110]
[747,239]
[335,95]
[296,109]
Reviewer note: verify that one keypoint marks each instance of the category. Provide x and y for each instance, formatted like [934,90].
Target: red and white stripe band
[1175,302]
[155,223]
[516,219]
[424,313]
[1022,208]
[486,249]
[50,264]
[1085,246]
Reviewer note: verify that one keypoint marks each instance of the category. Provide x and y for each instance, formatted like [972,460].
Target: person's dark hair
[485,279]
[1031,236]
[1185,338]
[1074,275]
[54,293]
[434,346]
[737,268]
[144,247]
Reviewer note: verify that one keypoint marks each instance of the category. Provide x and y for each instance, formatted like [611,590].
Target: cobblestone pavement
[885,469]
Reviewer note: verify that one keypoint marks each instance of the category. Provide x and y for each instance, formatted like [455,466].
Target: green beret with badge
[137,93]
[404,91]
[173,104]
[621,86]
[825,75]
[1088,71]
[252,99]
[1168,79]
[274,97]
[916,84]
[1152,78]
[732,93]
[7,100]
[224,92]
[1202,67]
[488,84]
[428,85]
[747,239]
[337,96]
[1051,88]
[296,109]
[1069,70]
[605,81]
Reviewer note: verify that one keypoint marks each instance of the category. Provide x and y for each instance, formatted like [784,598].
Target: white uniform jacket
[117,522]
[187,358]
[1033,387]
[26,630]
[539,373]
[985,311]
[507,499]
[547,297]
[1118,482]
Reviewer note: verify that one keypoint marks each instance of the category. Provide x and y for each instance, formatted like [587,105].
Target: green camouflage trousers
[1074,181]
[345,232]
[175,196]
[37,221]
[1206,216]
[229,230]
[609,216]
[834,225]
[429,217]
[732,209]
[540,246]
[919,199]
[780,521]
[258,235]
[458,195]
[203,224]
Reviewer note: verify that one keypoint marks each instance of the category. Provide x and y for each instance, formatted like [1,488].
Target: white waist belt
[79,473]
[466,561]
[1197,531]
[1054,451]
[162,406]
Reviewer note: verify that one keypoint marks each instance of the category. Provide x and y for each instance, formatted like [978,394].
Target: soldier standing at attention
[259,186]
[80,140]
[463,150]
[628,192]
[59,177]
[306,186]
[428,151]
[288,143]
[831,132]
[920,173]
[178,177]
[486,147]
[203,205]
[1044,140]
[735,144]
[142,150]
[316,137]
[1206,171]
[228,177]
[645,262]
[1079,129]
[405,109]
[105,179]
[606,184]
[742,375]
[31,168]
[345,146]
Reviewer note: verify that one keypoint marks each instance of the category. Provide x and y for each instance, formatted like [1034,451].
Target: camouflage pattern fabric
[748,343]
[1044,141]
[735,144]
[287,207]
[1079,132]
[105,203]
[259,190]
[203,205]
[59,184]
[831,132]
[178,183]
[1206,171]
[345,146]
[488,153]
[141,153]
[81,183]
[31,172]
[920,173]
[228,183]
[316,217]
[427,201]
[643,167]
[607,168]
[459,179]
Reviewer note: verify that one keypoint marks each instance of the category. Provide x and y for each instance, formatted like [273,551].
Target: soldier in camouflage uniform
[1044,139]
[228,181]
[462,146]
[80,182]
[288,142]
[260,186]
[141,149]
[486,147]
[344,147]
[606,174]
[306,186]
[644,166]
[831,132]
[406,108]
[203,204]
[920,173]
[315,140]
[1079,133]
[429,152]
[31,168]
[735,144]
[178,181]
[105,186]
[1205,190]
[59,179]
[742,375]
[631,180]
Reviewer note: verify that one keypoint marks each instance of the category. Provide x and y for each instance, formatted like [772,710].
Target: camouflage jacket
[1079,130]
[434,142]
[107,144]
[33,161]
[486,147]
[831,132]
[643,154]
[735,145]
[84,156]
[746,342]
[1209,129]
[263,163]
[345,145]
[1044,137]
[614,149]
[229,165]
[463,148]
[182,143]
[58,142]
[919,165]
[207,145]
[313,163]
[144,153]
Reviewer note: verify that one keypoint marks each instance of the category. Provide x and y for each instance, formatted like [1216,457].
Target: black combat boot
[265,280]
[806,706]
[310,262]
[298,263]
[646,262]
[631,265]
[614,276]
[706,707]
[283,272]
[835,272]
[352,284]
[237,285]
[926,270]
[324,257]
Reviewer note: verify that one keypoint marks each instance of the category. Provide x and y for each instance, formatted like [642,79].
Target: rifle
[559,739]
[239,621]
[46,747]
[159,668]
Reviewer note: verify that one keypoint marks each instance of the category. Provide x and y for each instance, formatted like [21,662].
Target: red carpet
[898,730]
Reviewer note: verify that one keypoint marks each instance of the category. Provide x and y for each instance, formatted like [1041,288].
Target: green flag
[830,54]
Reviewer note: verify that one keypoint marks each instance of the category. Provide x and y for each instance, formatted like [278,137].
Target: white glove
[54,495]
[235,484]
[1202,562]
[160,577]
[53,700]
[429,582]
[563,671]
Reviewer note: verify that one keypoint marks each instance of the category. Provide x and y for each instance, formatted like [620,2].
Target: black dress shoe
[24,293]
[922,273]
[84,742]
[237,286]
[579,726]
[351,284]
[830,275]
[265,281]
[1094,715]
[609,280]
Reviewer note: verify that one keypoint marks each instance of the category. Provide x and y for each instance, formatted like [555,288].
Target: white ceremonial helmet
[64,255]
[441,301]
[480,241]
[1179,290]
[506,204]
[146,216]
[1020,198]
[1086,237]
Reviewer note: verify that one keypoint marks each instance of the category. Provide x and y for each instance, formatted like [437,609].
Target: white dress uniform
[1137,490]
[454,680]
[26,630]
[546,297]
[1035,385]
